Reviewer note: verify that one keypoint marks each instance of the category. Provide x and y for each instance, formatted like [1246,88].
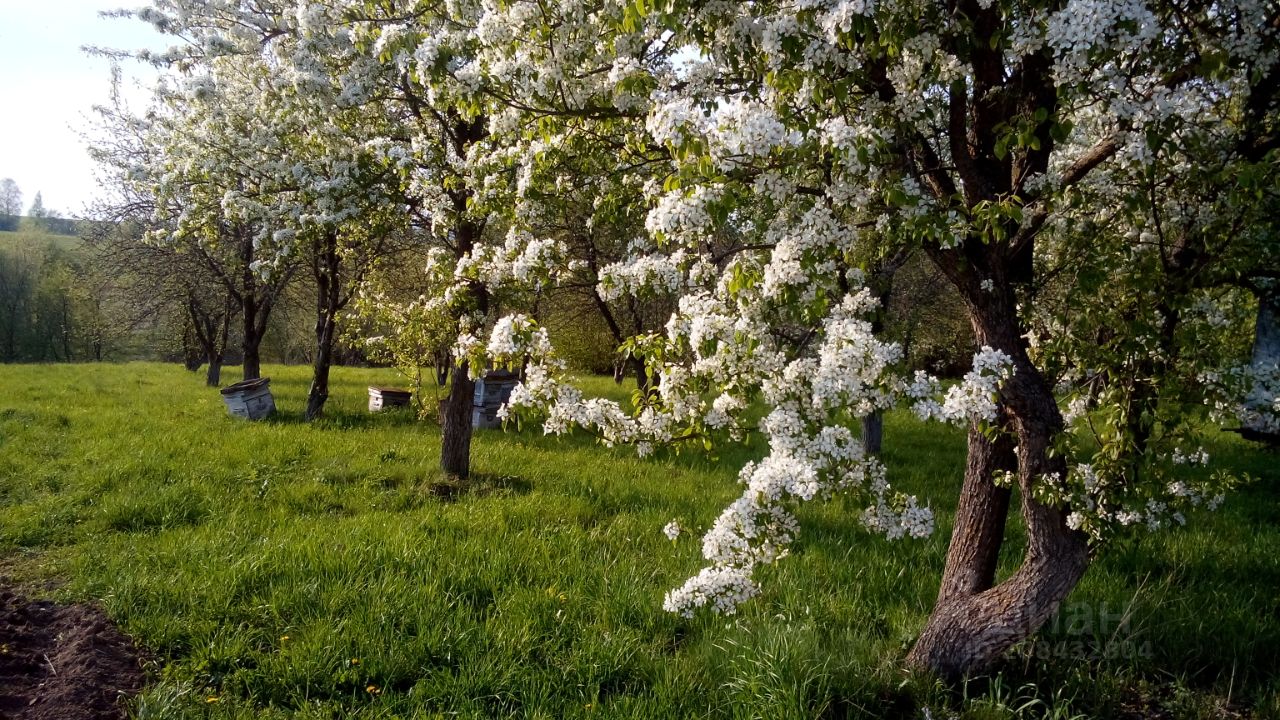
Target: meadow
[327,570]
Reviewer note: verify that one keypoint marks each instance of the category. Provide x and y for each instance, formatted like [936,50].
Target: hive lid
[245,386]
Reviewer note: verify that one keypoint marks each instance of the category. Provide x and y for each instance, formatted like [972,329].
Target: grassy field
[281,569]
[12,241]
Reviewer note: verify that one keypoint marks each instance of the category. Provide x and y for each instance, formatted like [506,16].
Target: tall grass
[326,570]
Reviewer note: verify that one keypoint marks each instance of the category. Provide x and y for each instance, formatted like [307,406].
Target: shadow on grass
[479,485]
[348,420]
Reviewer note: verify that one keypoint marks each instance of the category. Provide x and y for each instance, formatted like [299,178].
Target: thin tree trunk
[873,432]
[444,363]
[256,306]
[328,300]
[455,441]
[213,373]
[980,517]
[319,392]
[213,377]
[249,345]
[641,370]
[455,449]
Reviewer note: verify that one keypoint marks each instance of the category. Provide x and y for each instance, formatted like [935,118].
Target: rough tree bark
[319,391]
[213,373]
[253,328]
[974,621]
[980,518]
[455,444]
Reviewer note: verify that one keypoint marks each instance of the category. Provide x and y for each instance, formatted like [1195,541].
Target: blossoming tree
[983,133]
[209,169]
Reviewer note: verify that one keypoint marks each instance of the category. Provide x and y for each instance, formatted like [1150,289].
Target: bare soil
[63,662]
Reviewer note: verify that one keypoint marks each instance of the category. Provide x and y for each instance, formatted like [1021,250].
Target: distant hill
[35,238]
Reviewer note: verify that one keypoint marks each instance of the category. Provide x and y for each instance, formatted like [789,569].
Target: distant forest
[50,225]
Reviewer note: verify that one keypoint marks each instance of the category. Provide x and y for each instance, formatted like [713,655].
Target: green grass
[285,568]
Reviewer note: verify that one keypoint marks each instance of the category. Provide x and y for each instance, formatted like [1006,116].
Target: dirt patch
[63,662]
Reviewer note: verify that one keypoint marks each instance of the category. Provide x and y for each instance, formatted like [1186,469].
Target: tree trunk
[328,301]
[214,373]
[456,430]
[325,334]
[250,342]
[969,632]
[256,304]
[319,392]
[442,371]
[973,622]
[213,377]
[980,517]
[643,381]
[194,352]
[455,449]
[873,432]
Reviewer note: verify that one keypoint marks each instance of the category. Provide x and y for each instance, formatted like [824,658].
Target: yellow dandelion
[284,638]
[355,661]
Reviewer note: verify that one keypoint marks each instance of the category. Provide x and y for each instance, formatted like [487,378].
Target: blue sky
[48,87]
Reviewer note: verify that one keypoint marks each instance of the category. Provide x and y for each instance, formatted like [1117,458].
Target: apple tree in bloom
[366,141]
[207,166]
[1130,143]
[414,66]
[173,277]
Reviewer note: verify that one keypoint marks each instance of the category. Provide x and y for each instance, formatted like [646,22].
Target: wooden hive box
[249,399]
[381,398]
[492,392]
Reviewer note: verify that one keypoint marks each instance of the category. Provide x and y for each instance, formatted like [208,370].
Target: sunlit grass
[285,569]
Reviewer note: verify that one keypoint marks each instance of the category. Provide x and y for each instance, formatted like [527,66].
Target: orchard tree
[985,134]
[410,66]
[10,197]
[402,319]
[161,280]
[418,66]
[213,166]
